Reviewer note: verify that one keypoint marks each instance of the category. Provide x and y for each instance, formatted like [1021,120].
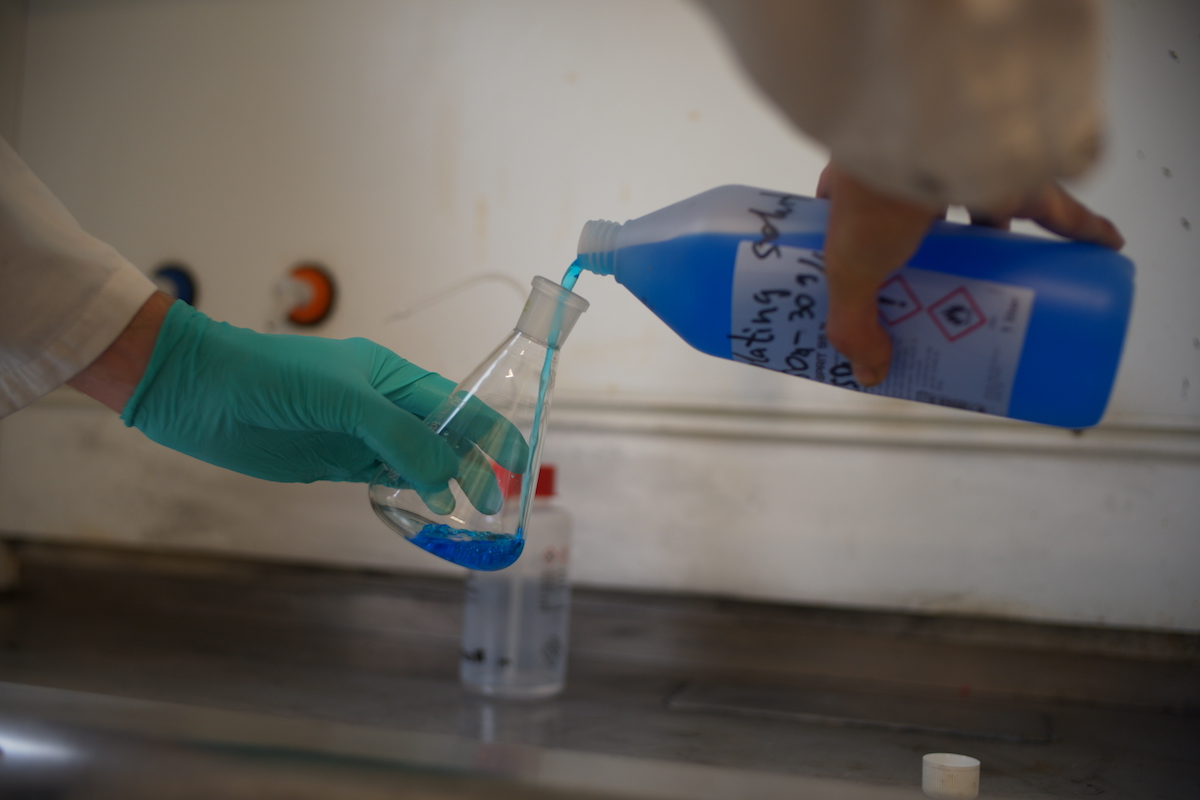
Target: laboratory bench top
[132,674]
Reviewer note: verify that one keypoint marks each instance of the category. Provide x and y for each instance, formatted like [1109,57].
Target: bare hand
[870,235]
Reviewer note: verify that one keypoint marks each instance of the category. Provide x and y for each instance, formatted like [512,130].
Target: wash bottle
[516,620]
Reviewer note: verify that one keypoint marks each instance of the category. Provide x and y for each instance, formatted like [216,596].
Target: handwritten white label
[956,341]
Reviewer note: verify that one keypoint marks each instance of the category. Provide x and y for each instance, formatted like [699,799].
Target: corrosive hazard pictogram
[957,314]
[897,301]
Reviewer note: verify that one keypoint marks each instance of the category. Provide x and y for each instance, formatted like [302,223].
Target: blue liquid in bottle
[681,262]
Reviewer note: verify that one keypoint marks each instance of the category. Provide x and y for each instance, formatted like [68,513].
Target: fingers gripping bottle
[514,642]
[494,421]
[980,319]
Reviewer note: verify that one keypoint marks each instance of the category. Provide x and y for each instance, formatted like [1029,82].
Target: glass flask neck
[550,313]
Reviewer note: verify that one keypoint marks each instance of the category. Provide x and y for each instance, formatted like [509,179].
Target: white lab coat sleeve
[65,296]
[939,101]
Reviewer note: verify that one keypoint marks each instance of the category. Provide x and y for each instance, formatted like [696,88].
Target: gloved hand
[303,408]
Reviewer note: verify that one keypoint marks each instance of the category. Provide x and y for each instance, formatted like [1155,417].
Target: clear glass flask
[515,621]
[494,420]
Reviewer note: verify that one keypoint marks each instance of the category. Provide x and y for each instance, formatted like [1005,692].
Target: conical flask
[494,420]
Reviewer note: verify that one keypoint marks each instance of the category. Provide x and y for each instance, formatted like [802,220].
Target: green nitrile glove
[303,408]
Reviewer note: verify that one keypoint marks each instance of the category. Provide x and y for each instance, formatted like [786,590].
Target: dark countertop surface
[848,698]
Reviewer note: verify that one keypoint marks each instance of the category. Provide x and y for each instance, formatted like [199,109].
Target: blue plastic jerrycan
[980,319]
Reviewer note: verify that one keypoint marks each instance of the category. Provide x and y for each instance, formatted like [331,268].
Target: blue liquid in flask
[484,550]
[478,550]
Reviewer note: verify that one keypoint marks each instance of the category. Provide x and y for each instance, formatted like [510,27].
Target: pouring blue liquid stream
[484,550]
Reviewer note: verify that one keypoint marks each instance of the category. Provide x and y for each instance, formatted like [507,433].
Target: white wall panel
[1055,532]
[414,145]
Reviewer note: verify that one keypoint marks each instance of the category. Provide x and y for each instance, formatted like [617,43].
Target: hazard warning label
[897,301]
[957,314]
[956,341]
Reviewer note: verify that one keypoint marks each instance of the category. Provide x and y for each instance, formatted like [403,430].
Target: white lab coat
[64,295]
[941,101]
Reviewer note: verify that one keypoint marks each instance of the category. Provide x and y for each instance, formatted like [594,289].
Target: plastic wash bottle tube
[980,319]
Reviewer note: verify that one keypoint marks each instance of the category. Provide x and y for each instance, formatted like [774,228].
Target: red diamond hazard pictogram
[897,301]
[957,314]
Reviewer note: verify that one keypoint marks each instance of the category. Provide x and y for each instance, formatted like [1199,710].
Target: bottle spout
[597,242]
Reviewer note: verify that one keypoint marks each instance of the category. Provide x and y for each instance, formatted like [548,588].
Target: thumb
[869,236]
[853,328]
[402,441]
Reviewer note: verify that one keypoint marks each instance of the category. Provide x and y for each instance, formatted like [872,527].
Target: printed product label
[956,341]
